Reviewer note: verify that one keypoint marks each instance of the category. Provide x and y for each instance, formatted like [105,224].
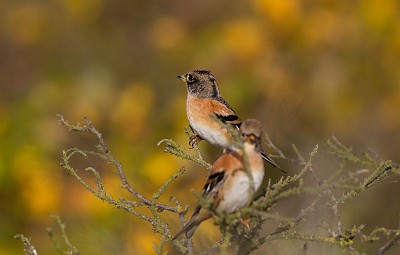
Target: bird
[204,106]
[228,185]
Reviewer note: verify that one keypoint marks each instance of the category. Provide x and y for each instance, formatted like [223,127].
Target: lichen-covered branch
[71,249]
[29,248]
[175,149]
[321,193]
[104,153]
[349,184]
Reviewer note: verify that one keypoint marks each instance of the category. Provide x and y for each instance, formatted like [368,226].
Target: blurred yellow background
[307,70]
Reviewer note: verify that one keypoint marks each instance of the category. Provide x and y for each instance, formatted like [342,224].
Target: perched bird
[204,104]
[228,185]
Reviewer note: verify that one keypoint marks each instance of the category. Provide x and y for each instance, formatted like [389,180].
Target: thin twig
[261,208]
[275,148]
[329,192]
[196,148]
[89,127]
[29,248]
[175,149]
[394,241]
[70,248]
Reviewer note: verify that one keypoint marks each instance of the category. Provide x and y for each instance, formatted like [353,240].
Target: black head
[201,83]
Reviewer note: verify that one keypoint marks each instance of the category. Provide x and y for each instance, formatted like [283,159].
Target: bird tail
[188,230]
[269,160]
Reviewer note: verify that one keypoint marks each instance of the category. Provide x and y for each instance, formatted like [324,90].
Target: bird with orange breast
[228,185]
[204,105]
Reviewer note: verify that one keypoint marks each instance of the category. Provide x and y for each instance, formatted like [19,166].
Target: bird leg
[193,141]
[245,222]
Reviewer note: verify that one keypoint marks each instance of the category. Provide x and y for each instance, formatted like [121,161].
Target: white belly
[216,135]
[207,127]
[238,195]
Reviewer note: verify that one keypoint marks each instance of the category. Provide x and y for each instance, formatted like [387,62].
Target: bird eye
[190,78]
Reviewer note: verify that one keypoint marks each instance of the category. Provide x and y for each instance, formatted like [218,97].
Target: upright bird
[228,185]
[204,104]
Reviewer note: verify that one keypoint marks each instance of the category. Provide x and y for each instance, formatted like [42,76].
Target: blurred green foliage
[307,70]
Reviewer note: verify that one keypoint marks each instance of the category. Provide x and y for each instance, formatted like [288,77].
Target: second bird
[227,188]
[204,104]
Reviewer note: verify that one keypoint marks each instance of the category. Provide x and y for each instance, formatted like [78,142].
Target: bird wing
[211,187]
[272,162]
[200,214]
[220,172]
[224,112]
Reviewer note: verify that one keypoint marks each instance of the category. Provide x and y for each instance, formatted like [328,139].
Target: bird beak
[182,78]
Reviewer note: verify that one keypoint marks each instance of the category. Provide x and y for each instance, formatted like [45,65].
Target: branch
[29,248]
[321,193]
[392,242]
[159,226]
[175,149]
[71,250]
[105,154]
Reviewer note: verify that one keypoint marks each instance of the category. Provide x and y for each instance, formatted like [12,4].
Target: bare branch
[71,250]
[392,242]
[175,149]
[29,248]
[105,154]
[321,194]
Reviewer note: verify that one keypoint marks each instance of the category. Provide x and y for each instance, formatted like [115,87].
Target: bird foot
[245,222]
[194,140]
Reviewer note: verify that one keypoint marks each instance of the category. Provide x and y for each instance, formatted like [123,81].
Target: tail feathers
[269,160]
[188,230]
